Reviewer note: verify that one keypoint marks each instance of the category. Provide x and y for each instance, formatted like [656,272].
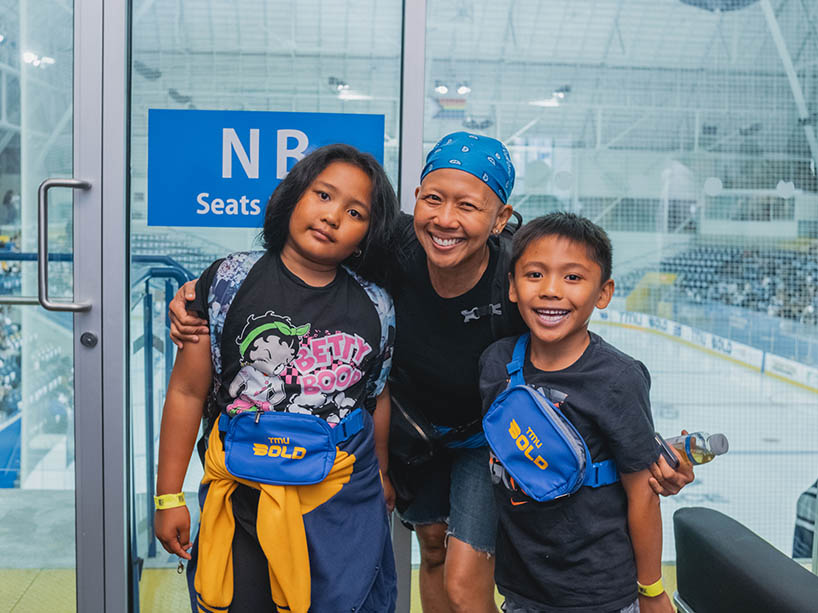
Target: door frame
[101,277]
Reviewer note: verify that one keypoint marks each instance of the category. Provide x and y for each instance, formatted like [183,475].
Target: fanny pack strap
[515,367]
[601,473]
[348,427]
[598,473]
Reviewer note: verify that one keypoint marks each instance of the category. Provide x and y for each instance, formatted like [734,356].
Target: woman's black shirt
[438,340]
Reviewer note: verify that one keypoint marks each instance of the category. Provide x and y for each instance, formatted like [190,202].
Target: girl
[298,332]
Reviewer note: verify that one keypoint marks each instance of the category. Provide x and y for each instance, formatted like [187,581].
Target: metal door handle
[42,245]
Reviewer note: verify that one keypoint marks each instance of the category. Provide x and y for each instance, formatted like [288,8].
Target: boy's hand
[656,604]
[184,327]
[667,481]
[388,493]
[172,527]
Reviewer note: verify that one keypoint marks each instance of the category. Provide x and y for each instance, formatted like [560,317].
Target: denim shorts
[457,490]
[510,606]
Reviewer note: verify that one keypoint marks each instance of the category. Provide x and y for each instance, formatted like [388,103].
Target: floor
[161,590]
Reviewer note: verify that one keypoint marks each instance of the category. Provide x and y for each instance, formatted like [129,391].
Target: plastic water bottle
[700,447]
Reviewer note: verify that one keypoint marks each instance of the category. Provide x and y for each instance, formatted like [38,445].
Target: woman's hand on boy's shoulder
[666,481]
[184,327]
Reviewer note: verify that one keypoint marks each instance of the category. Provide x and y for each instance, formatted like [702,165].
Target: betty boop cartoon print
[267,345]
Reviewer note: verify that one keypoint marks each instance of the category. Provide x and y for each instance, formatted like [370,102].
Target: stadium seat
[722,566]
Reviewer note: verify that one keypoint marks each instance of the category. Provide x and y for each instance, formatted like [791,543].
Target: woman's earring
[356,253]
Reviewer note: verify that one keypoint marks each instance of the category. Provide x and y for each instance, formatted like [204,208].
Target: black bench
[722,567]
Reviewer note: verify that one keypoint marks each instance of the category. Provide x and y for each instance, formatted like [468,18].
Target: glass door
[314,56]
[52,519]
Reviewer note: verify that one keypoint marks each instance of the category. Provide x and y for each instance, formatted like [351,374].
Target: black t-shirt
[438,340]
[288,346]
[575,554]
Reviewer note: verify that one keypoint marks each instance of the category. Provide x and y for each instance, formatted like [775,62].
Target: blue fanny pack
[536,443]
[284,448]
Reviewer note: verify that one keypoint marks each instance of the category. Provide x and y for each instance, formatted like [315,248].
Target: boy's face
[556,286]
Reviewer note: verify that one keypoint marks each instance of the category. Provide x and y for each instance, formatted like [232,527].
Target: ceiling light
[2,38]
[349,94]
[546,102]
[463,89]
[36,60]
[441,88]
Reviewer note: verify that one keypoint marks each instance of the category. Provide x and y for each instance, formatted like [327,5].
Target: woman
[446,315]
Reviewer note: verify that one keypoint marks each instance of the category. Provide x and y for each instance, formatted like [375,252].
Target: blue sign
[218,168]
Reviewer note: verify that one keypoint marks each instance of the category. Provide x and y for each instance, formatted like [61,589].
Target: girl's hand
[388,492]
[184,327]
[172,527]
[655,604]
[667,481]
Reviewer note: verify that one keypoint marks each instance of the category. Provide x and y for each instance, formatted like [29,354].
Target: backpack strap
[379,371]
[225,285]
[505,318]
[515,367]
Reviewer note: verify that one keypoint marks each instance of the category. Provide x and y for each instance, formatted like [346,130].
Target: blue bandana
[482,156]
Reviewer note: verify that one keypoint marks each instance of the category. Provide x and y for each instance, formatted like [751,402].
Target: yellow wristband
[654,589]
[169,501]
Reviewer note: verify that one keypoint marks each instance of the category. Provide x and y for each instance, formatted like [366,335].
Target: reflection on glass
[677,130]
[311,56]
[36,347]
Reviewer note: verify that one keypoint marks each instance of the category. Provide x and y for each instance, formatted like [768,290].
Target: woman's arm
[187,391]
[645,526]
[184,327]
[382,419]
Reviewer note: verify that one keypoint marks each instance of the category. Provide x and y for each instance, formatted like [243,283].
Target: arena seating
[778,282]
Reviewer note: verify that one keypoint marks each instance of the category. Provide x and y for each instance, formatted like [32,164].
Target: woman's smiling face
[455,212]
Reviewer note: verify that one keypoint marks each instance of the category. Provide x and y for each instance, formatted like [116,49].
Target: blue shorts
[457,490]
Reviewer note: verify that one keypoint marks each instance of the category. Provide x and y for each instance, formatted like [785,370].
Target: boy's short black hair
[571,226]
[375,247]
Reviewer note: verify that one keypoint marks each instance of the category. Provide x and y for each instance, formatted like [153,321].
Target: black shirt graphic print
[288,346]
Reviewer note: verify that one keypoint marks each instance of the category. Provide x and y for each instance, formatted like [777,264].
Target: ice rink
[772,427]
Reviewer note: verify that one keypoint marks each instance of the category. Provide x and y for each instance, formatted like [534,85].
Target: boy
[583,552]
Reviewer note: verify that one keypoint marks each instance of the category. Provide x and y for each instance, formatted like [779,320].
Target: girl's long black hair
[376,251]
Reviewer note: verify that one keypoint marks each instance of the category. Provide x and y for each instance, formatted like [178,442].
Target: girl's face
[455,212]
[332,216]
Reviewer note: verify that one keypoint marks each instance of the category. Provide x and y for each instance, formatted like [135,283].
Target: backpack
[536,444]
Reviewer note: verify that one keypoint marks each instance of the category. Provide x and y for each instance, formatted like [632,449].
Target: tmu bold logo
[279,447]
[526,442]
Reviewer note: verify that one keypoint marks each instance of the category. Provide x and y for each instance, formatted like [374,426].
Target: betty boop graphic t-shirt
[288,346]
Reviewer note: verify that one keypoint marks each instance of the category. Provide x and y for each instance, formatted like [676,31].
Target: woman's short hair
[372,263]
